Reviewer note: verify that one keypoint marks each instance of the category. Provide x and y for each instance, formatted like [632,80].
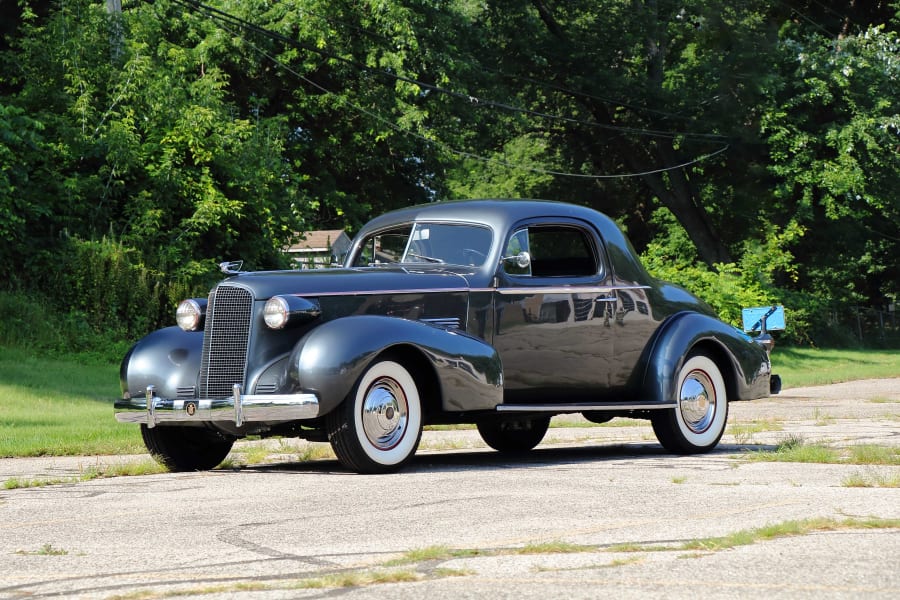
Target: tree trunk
[673,187]
[680,197]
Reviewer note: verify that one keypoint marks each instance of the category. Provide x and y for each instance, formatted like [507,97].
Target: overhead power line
[472,99]
[226,21]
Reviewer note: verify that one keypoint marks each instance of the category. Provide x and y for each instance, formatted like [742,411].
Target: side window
[556,251]
[383,247]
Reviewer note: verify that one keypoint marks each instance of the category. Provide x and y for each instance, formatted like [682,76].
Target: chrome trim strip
[313,294]
[587,406]
[557,289]
[569,289]
[153,410]
[561,289]
[446,322]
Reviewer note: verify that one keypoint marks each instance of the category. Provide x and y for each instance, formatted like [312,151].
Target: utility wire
[808,19]
[220,15]
[446,147]
[496,71]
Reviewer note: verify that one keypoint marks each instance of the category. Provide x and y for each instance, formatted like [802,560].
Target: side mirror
[522,260]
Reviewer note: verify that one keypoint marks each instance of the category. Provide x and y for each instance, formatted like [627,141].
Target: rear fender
[331,358]
[744,364]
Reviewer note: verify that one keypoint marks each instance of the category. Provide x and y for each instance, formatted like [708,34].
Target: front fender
[330,359]
[167,358]
[744,364]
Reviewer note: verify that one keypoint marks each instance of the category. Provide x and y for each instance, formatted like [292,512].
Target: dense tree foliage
[750,148]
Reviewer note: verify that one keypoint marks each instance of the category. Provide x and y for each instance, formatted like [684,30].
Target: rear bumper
[238,408]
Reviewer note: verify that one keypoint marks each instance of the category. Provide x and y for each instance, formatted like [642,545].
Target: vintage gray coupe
[500,313]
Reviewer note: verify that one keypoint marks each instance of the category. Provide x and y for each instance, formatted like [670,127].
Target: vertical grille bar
[225,340]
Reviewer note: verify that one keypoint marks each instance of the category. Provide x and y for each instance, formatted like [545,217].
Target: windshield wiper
[429,259]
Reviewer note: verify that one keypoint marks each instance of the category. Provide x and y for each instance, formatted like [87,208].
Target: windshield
[428,243]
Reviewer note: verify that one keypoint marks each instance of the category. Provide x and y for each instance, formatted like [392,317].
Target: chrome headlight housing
[191,313]
[276,312]
[281,311]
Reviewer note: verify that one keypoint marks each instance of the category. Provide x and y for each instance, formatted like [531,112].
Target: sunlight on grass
[45,550]
[51,407]
[553,548]
[814,366]
[431,553]
[349,579]
[746,537]
[743,432]
[146,466]
[794,449]
[872,478]
[872,454]
[443,553]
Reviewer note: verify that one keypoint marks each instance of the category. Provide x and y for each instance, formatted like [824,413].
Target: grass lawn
[50,406]
[59,407]
[805,366]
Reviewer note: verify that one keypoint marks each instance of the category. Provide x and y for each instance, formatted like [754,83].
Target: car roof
[503,214]
[499,214]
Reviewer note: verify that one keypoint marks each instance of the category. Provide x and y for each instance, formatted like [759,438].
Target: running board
[583,407]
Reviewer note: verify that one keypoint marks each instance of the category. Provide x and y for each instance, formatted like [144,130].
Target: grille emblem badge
[190,408]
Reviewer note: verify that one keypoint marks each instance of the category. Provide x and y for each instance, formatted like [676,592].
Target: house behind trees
[318,249]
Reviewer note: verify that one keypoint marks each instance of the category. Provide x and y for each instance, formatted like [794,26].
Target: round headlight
[276,312]
[189,315]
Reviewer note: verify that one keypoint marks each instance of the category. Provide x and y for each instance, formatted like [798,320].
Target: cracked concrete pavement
[281,528]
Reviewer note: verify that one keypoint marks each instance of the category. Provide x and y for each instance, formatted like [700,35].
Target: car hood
[365,280]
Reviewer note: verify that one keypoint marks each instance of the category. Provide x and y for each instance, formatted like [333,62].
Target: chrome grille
[225,340]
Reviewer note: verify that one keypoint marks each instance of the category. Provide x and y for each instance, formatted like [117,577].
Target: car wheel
[698,421]
[186,448]
[518,435]
[378,426]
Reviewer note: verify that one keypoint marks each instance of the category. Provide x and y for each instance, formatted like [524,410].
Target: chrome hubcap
[697,401]
[385,413]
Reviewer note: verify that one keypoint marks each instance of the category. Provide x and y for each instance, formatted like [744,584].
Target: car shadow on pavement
[469,460]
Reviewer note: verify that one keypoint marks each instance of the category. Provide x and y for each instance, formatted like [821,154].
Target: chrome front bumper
[238,408]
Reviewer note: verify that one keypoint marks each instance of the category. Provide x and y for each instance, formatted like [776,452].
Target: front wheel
[697,423]
[186,448]
[514,435]
[378,426]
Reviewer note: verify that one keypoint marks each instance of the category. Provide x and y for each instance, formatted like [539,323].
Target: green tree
[757,138]
[833,129]
[152,148]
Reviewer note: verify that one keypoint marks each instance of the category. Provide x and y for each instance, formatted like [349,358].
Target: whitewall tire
[697,423]
[378,426]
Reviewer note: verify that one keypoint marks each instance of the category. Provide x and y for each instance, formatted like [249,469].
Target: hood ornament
[232,267]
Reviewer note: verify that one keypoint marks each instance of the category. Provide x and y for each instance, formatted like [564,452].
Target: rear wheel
[186,448]
[514,435]
[697,423]
[378,426]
